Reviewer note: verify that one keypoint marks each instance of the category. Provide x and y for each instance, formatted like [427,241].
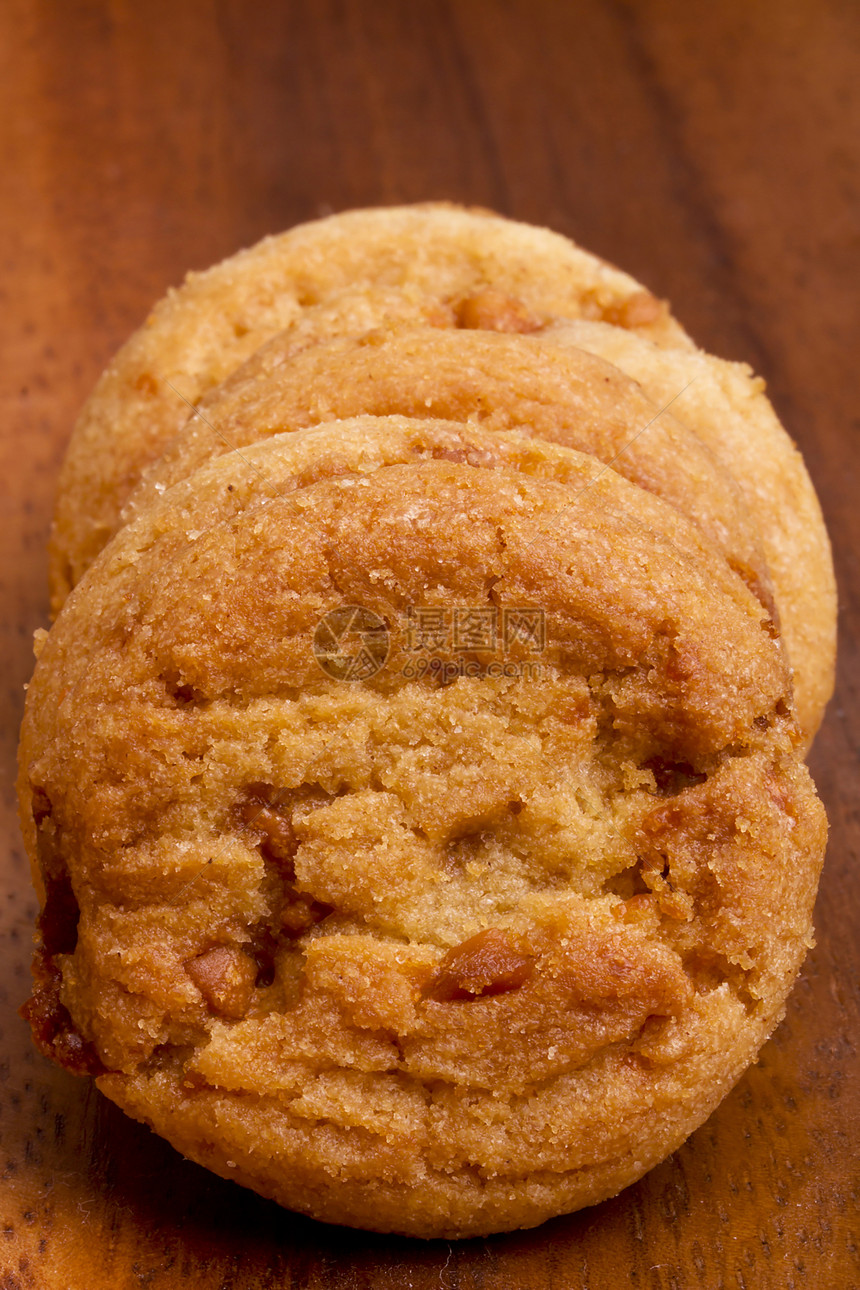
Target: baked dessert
[413,775]
[471,261]
[427,951]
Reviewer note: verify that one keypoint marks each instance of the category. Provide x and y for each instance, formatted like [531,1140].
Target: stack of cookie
[413,775]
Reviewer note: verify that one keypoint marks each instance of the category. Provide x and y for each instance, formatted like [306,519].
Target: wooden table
[709,148]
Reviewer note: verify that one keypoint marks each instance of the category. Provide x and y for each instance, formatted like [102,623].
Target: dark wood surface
[713,150]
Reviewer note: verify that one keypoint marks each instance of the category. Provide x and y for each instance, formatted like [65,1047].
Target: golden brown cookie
[445,913]
[490,271]
[727,408]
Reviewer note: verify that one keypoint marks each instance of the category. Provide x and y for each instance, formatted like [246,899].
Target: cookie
[197,335]
[726,406]
[430,933]
[494,380]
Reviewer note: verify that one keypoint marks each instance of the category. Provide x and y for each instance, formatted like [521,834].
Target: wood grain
[711,149]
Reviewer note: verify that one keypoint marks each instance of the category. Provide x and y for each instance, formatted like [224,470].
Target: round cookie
[197,335]
[497,381]
[726,406]
[434,954]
